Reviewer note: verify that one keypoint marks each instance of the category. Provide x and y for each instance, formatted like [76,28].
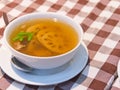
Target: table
[100,20]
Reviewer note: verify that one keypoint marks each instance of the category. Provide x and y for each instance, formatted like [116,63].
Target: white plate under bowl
[35,78]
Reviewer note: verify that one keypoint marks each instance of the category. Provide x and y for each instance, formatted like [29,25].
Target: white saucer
[73,68]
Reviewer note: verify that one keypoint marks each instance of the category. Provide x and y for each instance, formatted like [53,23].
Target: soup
[43,37]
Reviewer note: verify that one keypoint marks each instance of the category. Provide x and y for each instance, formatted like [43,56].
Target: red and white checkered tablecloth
[100,20]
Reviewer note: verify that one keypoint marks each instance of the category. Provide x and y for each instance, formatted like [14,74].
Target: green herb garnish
[23,35]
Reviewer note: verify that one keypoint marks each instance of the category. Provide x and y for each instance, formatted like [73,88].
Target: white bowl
[43,62]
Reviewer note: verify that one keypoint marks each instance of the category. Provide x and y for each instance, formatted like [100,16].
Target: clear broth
[51,37]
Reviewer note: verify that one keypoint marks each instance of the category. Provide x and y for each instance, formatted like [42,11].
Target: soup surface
[43,37]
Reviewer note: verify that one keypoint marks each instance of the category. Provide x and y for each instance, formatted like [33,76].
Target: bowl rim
[38,13]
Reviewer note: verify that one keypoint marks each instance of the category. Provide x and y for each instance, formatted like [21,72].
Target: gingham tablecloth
[100,20]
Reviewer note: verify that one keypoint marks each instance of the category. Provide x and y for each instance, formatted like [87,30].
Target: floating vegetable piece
[34,28]
[22,35]
[52,40]
[18,45]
